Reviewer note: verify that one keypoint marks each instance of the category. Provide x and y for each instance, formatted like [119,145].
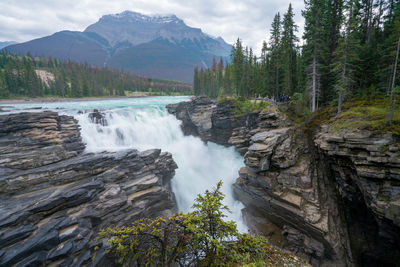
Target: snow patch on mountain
[151,18]
[136,28]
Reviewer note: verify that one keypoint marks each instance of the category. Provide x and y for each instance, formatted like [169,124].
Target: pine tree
[228,78]
[275,45]
[201,82]
[3,87]
[289,40]
[392,88]
[220,74]
[395,52]
[389,43]
[238,67]
[196,81]
[264,70]
[214,64]
[346,55]
[313,37]
[331,22]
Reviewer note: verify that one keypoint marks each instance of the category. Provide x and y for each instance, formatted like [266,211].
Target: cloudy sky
[23,20]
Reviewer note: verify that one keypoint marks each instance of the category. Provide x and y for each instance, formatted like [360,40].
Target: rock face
[54,198]
[214,122]
[365,169]
[332,198]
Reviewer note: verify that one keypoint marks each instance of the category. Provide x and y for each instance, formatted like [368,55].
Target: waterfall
[200,166]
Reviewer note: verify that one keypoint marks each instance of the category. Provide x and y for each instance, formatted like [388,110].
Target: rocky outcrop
[98,117]
[196,116]
[280,184]
[365,169]
[330,197]
[54,198]
[212,121]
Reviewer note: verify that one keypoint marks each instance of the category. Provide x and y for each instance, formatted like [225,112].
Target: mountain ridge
[114,38]
[6,43]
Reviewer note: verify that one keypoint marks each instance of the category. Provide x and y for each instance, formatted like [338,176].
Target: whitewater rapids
[144,123]
[200,166]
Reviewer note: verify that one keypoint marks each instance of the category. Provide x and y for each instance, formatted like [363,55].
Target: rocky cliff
[54,198]
[331,197]
[210,121]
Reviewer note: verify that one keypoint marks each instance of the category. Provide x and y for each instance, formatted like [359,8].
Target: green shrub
[198,238]
[242,106]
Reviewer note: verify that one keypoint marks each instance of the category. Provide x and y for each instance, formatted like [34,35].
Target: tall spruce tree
[275,46]
[394,48]
[237,57]
[331,22]
[312,49]
[289,40]
[346,56]
[196,81]
[264,70]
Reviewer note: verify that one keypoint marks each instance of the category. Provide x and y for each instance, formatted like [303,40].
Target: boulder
[98,117]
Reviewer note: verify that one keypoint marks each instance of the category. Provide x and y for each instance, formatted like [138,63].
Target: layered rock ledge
[330,197]
[210,121]
[54,198]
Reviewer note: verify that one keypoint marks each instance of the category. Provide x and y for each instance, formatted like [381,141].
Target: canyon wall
[54,197]
[332,197]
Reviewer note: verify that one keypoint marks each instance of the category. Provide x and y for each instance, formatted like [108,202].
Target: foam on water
[145,124]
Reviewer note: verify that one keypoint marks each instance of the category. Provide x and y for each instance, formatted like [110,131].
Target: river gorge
[69,169]
[74,172]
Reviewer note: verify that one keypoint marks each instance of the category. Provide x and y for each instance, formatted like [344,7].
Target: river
[144,123]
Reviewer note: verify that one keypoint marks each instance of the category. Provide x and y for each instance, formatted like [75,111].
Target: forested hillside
[349,49]
[37,77]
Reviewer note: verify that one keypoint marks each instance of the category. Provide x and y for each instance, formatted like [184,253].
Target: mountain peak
[133,28]
[131,16]
[157,45]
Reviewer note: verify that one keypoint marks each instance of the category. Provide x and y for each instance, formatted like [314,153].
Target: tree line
[350,48]
[20,76]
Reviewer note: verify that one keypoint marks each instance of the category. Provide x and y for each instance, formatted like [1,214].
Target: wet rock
[42,241]
[54,198]
[61,250]
[10,237]
[36,259]
[33,108]
[196,116]
[98,117]
[212,121]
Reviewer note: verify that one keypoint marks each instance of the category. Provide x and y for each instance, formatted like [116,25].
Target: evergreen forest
[349,49]
[26,76]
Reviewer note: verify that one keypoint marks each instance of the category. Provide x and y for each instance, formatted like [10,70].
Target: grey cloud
[23,20]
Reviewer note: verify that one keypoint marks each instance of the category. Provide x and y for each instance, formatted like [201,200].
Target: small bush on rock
[198,238]
[243,106]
